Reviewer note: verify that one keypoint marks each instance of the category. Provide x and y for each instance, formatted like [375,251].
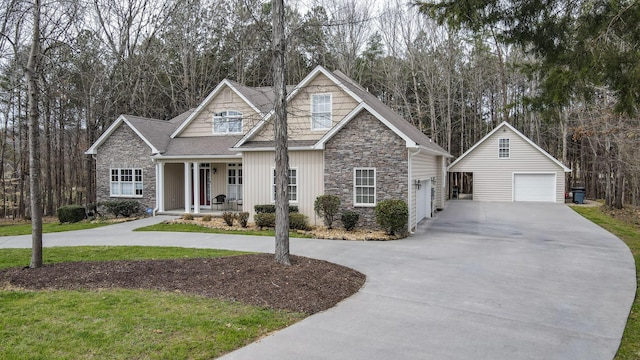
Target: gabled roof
[247,94]
[155,133]
[391,118]
[413,136]
[506,124]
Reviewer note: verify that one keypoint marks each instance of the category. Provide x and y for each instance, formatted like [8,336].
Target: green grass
[203,229]
[124,324]
[21,257]
[25,229]
[630,234]
[128,324]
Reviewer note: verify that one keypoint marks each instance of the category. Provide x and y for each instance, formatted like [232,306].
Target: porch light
[417,184]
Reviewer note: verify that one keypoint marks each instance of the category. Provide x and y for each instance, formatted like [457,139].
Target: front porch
[206,187]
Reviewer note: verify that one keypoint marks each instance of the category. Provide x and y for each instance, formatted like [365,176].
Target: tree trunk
[280,125]
[31,73]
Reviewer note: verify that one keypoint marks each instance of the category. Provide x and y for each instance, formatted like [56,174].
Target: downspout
[410,183]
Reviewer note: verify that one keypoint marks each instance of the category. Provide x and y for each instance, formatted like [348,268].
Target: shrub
[271,209]
[187,217]
[228,217]
[298,221]
[392,216]
[263,220]
[125,208]
[350,220]
[71,213]
[206,218]
[327,206]
[243,218]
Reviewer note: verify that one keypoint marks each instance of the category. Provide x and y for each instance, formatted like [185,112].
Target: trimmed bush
[187,217]
[243,218]
[392,216]
[298,221]
[265,220]
[206,218]
[327,206]
[271,209]
[350,220]
[228,217]
[125,208]
[71,213]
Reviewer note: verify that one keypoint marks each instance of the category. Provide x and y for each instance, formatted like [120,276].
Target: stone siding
[125,149]
[366,142]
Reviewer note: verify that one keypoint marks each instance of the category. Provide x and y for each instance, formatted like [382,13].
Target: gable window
[227,122]
[364,186]
[320,111]
[503,148]
[293,184]
[126,182]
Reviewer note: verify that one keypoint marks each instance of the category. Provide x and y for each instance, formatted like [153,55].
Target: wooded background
[575,93]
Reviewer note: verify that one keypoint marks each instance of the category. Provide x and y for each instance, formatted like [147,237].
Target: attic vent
[227,95]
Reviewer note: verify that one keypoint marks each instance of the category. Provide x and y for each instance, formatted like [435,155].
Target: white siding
[493,176]
[423,167]
[257,179]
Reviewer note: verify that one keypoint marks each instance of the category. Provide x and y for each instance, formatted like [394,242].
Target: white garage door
[423,200]
[534,187]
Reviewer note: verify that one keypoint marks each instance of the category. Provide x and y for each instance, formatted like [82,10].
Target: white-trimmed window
[293,184]
[126,182]
[227,122]
[364,186]
[234,181]
[503,148]
[320,111]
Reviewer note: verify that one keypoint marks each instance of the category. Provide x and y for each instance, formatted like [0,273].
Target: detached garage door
[534,187]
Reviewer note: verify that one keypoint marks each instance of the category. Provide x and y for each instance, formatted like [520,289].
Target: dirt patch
[308,285]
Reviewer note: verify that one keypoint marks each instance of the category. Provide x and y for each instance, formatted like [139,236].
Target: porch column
[160,186]
[196,187]
[187,187]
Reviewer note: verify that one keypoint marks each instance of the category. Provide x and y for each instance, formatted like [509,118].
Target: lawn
[124,324]
[25,229]
[630,234]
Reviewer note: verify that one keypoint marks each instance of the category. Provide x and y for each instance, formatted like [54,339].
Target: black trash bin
[578,195]
[456,192]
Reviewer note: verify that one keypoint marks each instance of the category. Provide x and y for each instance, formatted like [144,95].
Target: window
[364,186]
[126,182]
[234,181]
[320,111]
[227,122]
[503,148]
[293,184]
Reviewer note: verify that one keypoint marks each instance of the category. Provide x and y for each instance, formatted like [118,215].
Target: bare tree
[280,125]
[31,72]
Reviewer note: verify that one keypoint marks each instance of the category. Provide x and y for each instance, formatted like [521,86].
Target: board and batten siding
[299,110]
[493,176]
[257,175]
[202,125]
[174,186]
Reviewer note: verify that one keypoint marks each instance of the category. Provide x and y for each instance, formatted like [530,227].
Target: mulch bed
[308,285]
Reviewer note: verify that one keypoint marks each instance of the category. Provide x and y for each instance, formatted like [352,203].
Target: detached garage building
[505,165]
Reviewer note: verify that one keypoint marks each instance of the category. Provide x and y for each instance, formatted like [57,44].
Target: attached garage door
[534,187]
[423,200]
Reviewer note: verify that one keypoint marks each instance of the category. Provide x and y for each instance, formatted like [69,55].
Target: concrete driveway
[481,281]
